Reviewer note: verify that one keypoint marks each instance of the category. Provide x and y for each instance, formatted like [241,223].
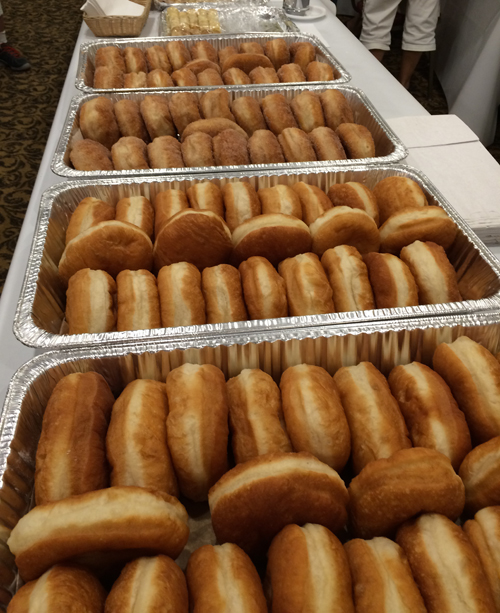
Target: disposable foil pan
[85,70]
[159,5]
[33,383]
[240,18]
[388,146]
[39,319]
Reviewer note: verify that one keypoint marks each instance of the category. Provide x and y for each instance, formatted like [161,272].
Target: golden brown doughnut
[184,77]
[389,491]
[123,520]
[430,411]
[319,71]
[435,276]
[291,73]
[181,299]
[138,303]
[302,562]
[130,153]
[246,62]
[241,203]
[277,51]
[336,108]
[392,283]
[263,75]
[203,50]
[98,122]
[222,578]
[327,144]
[111,246]
[215,103]
[480,473]
[197,150]
[129,119]
[307,110]
[235,76]
[307,289]
[184,109]
[225,53]
[197,428]
[251,48]
[138,211]
[88,213]
[221,287]
[157,59]
[166,205]
[280,199]
[199,237]
[296,486]
[314,417]
[473,375]
[109,56]
[60,589]
[201,64]
[213,127]
[357,141]
[135,61]
[165,152]
[344,226]
[263,288]
[313,200]
[277,113]
[296,146]
[90,155]
[394,194]
[108,77]
[159,78]
[156,114]
[151,584]
[209,77]
[381,577]
[377,427]
[136,442]
[206,196]
[255,415]
[178,54]
[90,302]
[348,278]
[247,112]
[273,236]
[133,80]
[231,148]
[445,566]
[264,148]
[355,195]
[71,453]
[429,223]
[303,55]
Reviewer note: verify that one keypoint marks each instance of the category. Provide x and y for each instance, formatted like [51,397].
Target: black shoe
[11,58]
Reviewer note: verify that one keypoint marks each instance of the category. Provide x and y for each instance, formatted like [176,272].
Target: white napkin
[99,8]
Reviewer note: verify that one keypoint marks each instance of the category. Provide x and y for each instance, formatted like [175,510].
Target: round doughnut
[327,144]
[319,71]
[307,110]
[264,148]
[480,472]
[90,155]
[246,62]
[157,59]
[184,77]
[263,75]
[197,150]
[274,236]
[392,283]
[159,78]
[304,54]
[355,195]
[389,491]
[277,113]
[296,146]
[277,51]
[344,226]
[235,76]
[291,73]
[129,118]
[231,148]
[109,56]
[209,77]
[251,48]
[108,77]
[203,50]
[212,126]
[199,65]
[201,238]
[336,108]
[135,61]
[396,193]
[252,502]
[356,140]
[130,153]
[98,122]
[247,112]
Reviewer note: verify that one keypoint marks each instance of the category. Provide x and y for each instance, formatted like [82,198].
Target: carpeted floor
[46,34]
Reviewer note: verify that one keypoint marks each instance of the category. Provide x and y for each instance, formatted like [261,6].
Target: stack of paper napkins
[123,8]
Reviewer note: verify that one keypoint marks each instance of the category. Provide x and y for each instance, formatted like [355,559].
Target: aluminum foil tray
[240,18]
[33,383]
[85,70]
[39,319]
[388,146]
[159,5]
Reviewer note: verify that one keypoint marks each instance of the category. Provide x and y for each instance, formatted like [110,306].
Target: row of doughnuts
[303,285]
[201,64]
[115,136]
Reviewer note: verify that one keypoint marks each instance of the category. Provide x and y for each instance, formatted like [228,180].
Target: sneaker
[11,58]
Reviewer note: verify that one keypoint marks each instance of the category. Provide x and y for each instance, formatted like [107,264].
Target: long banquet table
[384,91]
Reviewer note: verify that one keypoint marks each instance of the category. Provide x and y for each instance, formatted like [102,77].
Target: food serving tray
[389,148]
[85,70]
[40,322]
[160,6]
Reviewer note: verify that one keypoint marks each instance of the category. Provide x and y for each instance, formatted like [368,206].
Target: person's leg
[378,17]
[418,35]
[9,56]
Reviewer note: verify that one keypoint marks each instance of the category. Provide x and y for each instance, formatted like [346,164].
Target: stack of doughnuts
[184,130]
[236,253]
[192,64]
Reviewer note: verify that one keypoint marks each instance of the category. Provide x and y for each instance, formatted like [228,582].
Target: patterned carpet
[46,34]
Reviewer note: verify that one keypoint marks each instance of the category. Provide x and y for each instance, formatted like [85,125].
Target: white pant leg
[3,35]
[378,17]
[420,25]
